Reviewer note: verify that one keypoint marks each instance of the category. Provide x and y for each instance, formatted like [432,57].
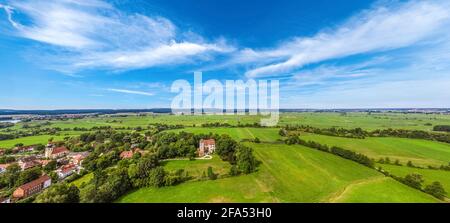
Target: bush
[211,174]
[436,190]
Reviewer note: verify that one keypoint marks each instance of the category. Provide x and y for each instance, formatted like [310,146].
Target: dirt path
[340,194]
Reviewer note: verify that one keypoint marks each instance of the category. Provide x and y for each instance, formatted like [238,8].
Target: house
[77,158]
[3,167]
[22,149]
[126,154]
[207,147]
[5,200]
[66,170]
[43,162]
[32,187]
[28,164]
[129,154]
[54,153]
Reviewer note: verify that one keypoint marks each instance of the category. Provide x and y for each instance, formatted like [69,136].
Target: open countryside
[282,168]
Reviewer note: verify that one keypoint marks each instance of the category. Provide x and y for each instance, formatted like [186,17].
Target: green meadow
[420,152]
[429,176]
[30,140]
[287,174]
[263,134]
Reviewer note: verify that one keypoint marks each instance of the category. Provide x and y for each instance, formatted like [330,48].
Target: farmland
[287,174]
[420,152]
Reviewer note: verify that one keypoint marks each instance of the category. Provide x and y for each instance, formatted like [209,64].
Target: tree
[246,162]
[226,148]
[414,180]
[410,164]
[234,171]
[156,177]
[436,190]
[28,175]
[211,174]
[50,166]
[12,174]
[60,193]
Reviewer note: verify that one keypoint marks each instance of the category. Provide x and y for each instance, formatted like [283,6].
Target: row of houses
[68,162]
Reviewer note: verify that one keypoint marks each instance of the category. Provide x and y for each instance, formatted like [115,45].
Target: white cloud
[125,91]
[382,28]
[94,34]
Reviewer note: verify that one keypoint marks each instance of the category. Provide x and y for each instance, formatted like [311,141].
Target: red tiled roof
[126,154]
[68,168]
[4,165]
[34,183]
[208,141]
[61,149]
[31,164]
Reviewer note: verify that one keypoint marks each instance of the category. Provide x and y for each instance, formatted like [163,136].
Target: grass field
[196,168]
[84,179]
[30,140]
[420,152]
[321,120]
[287,174]
[429,176]
[264,134]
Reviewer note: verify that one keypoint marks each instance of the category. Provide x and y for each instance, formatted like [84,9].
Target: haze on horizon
[95,54]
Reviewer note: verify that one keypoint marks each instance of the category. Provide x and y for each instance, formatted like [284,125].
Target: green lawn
[30,140]
[84,179]
[287,174]
[429,176]
[420,152]
[196,168]
[382,190]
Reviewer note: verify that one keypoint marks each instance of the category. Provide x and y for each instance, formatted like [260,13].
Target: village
[65,164]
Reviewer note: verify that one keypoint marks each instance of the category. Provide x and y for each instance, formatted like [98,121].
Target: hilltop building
[207,147]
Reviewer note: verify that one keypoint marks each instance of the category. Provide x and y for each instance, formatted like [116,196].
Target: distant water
[10,121]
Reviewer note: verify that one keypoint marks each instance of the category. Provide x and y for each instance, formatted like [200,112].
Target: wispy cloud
[125,91]
[94,34]
[379,29]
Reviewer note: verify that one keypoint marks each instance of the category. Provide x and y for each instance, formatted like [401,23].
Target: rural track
[338,195]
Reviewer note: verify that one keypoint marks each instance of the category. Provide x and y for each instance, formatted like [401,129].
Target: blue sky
[59,54]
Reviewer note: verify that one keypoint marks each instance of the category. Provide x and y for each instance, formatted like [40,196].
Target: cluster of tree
[109,184]
[415,134]
[386,160]
[360,133]
[415,180]
[341,132]
[59,193]
[344,153]
[14,177]
[238,155]
[442,128]
[6,125]
[216,125]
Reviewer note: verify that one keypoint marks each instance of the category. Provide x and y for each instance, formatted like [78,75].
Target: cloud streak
[125,91]
[379,29]
[94,34]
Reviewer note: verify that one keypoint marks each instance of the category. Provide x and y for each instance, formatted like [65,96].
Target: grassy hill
[289,174]
[428,175]
[420,152]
